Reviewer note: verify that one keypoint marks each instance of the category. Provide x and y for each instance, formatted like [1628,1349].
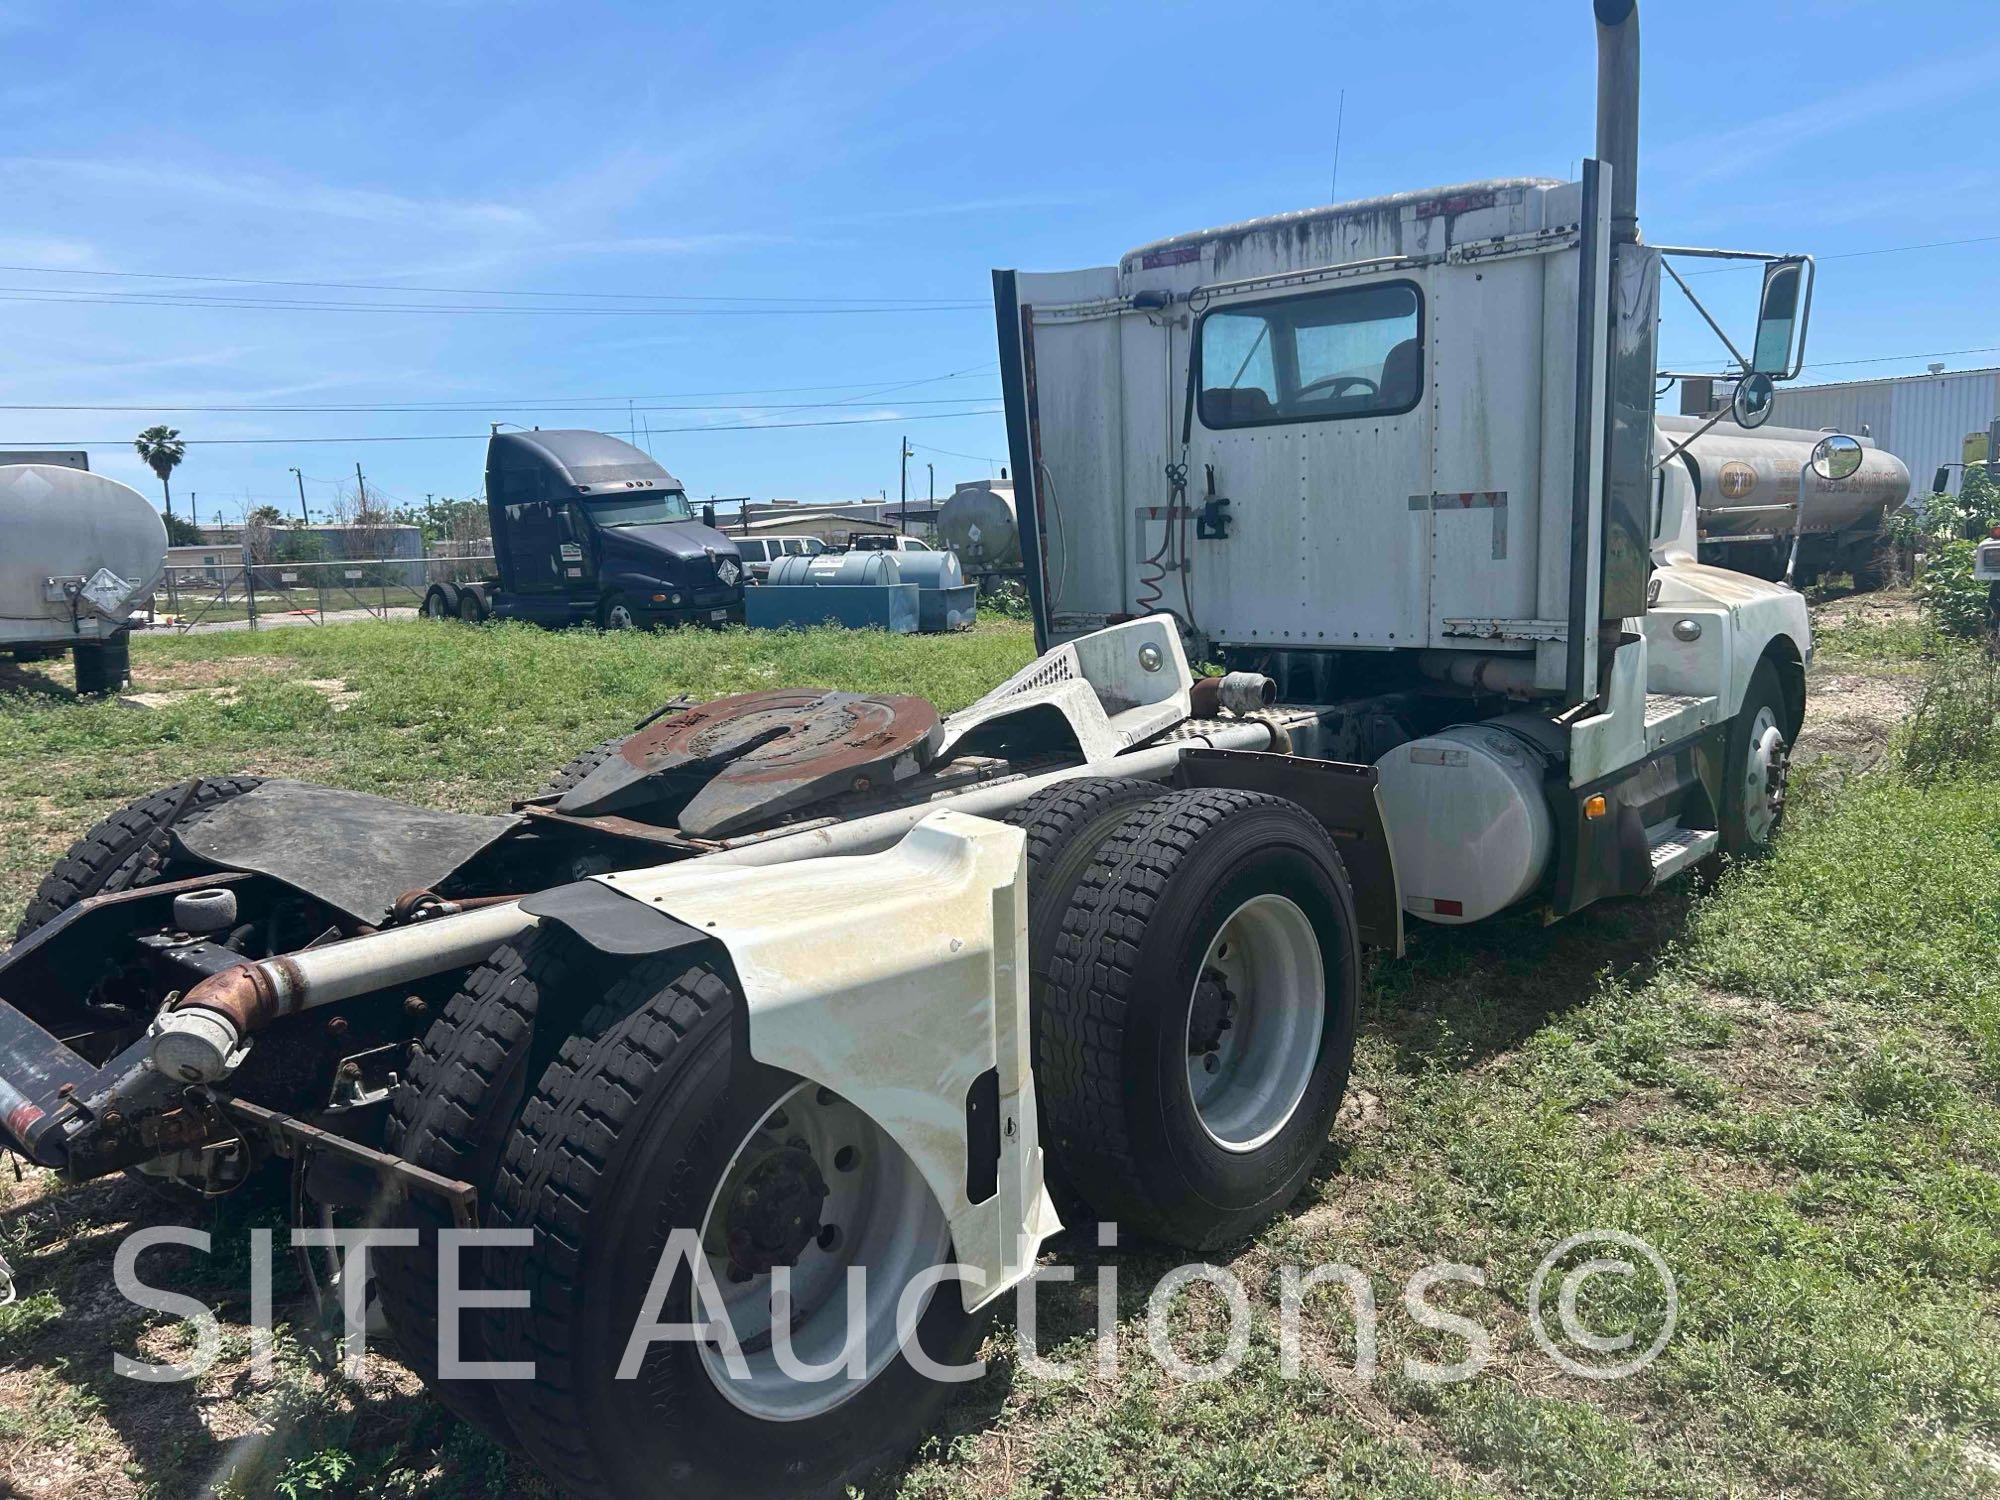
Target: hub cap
[1255,1022]
[820,1188]
[1764,776]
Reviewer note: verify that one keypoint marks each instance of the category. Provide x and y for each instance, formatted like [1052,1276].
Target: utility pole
[903,516]
[931,469]
[304,519]
[361,483]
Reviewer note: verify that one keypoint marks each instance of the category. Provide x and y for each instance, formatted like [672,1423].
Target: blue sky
[818,152]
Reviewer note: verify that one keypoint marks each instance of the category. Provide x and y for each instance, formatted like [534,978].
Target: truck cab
[587,528]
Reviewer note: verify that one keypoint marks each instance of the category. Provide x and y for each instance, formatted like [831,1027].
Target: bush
[1952,600]
[1956,720]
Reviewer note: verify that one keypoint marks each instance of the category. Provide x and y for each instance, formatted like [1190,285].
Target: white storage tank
[81,552]
[977,522]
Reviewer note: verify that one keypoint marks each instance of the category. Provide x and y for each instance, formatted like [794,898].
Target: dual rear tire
[1196,996]
[1194,979]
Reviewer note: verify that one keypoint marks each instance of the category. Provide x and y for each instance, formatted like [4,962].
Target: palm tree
[162,449]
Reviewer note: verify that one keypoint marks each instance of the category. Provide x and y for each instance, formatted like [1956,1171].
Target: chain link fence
[254,593]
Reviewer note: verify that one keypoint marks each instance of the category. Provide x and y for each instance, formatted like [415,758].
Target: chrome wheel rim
[1764,776]
[876,1214]
[1255,1021]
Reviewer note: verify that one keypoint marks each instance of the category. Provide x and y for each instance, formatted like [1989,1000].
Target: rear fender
[899,980]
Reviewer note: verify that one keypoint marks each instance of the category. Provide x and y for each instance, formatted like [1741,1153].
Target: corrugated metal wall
[1922,419]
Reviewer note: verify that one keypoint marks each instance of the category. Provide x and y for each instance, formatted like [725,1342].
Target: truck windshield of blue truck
[641,510]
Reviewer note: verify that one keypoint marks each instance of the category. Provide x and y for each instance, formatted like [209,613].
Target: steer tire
[625,1141]
[131,848]
[1113,1053]
[452,1115]
[1743,835]
[1064,825]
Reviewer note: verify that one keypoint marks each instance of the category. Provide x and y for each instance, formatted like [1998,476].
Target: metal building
[1922,419]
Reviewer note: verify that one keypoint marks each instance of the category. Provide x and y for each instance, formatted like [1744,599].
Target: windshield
[640,510]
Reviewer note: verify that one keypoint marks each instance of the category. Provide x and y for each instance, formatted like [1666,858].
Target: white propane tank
[1468,822]
[849,568]
[977,522]
[64,523]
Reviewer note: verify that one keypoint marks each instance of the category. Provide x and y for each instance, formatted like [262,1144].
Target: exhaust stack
[1618,110]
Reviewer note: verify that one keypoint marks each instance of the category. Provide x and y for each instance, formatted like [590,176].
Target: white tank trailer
[81,552]
[1747,490]
[977,522]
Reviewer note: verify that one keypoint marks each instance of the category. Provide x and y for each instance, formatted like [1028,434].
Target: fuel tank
[1739,475]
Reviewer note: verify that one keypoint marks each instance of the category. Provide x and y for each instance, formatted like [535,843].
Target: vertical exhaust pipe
[1618,110]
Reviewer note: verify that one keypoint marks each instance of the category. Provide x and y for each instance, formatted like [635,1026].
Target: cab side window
[1353,352]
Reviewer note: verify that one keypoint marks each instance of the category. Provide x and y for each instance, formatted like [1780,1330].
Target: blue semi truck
[589,529]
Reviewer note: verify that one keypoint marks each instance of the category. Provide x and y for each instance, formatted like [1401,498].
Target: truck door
[1311,407]
[533,547]
[577,545]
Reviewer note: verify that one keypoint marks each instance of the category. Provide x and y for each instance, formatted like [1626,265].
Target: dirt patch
[336,692]
[1883,607]
[1851,715]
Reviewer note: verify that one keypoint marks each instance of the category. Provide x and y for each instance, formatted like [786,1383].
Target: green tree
[266,515]
[181,532]
[162,449]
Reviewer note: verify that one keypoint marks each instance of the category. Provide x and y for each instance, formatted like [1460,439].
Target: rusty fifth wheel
[751,757]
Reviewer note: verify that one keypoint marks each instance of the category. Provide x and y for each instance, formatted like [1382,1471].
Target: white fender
[897,980]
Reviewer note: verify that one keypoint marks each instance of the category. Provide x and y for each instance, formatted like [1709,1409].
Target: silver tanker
[1747,488]
[80,553]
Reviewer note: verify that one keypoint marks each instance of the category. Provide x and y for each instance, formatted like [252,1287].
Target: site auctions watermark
[1637,1284]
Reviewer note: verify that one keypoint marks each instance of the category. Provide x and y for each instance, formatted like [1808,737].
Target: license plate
[718,614]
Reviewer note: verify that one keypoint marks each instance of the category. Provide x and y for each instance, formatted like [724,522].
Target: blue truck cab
[589,528]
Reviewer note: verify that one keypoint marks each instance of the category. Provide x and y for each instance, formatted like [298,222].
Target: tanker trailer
[1747,489]
[82,551]
[977,522]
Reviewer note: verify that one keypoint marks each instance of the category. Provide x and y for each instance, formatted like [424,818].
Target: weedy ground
[1786,1077]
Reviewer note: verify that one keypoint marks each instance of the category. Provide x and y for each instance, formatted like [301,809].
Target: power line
[521,403]
[1879,359]
[1744,265]
[278,304]
[980,458]
[463,291]
[460,437]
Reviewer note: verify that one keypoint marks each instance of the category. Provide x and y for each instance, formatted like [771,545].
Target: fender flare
[899,980]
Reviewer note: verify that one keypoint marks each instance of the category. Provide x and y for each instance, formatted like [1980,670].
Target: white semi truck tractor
[80,553]
[777,1037]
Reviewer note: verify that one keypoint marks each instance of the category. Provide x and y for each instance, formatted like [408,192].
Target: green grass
[445,714]
[1786,1079]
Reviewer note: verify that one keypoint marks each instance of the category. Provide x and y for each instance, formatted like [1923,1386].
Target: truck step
[1671,717]
[1674,849]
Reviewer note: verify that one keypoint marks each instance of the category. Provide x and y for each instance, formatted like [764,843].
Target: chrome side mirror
[1754,398]
[1780,347]
[1836,457]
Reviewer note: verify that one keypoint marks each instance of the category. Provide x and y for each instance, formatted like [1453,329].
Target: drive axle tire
[1064,825]
[440,602]
[1200,1014]
[663,1123]
[131,848]
[1756,766]
[471,608]
[452,1115]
